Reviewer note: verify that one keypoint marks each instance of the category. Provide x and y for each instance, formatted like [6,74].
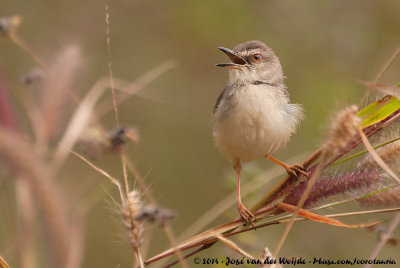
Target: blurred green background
[322,46]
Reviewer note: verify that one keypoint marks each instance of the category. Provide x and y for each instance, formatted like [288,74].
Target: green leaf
[379,110]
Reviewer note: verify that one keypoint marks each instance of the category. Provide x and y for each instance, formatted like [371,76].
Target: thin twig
[101,171]
[139,258]
[389,233]
[134,87]
[379,75]
[171,238]
[140,180]
[234,246]
[125,173]
[18,41]
[387,64]
[110,74]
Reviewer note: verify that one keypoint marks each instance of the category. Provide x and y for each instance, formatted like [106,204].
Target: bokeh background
[322,45]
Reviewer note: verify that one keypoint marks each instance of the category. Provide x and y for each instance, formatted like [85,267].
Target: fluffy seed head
[387,198]
[389,154]
[131,209]
[342,132]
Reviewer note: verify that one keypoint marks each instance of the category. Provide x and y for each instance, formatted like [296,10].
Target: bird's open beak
[237,60]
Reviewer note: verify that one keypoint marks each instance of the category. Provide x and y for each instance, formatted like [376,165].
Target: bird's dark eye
[256,57]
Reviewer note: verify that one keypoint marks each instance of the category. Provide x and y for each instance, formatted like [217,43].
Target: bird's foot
[296,170]
[245,214]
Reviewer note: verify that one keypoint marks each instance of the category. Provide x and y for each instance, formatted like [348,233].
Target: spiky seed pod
[330,186]
[343,130]
[131,208]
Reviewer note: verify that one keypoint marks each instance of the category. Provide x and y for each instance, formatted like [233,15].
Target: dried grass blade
[320,218]
[24,161]
[171,238]
[233,246]
[58,83]
[78,241]
[77,124]
[26,217]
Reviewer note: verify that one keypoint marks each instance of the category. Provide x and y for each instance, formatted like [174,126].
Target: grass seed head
[343,130]
[131,208]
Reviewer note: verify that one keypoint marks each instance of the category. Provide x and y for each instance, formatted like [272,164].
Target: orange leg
[246,214]
[293,170]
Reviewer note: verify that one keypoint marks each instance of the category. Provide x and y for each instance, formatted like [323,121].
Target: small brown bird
[253,116]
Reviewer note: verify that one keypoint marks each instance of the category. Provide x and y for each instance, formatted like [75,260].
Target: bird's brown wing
[219,100]
[224,92]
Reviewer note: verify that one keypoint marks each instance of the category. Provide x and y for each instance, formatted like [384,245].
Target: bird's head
[253,61]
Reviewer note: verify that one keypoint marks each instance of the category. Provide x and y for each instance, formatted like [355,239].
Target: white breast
[254,121]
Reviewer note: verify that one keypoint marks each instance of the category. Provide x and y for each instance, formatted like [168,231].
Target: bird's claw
[297,169]
[245,214]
